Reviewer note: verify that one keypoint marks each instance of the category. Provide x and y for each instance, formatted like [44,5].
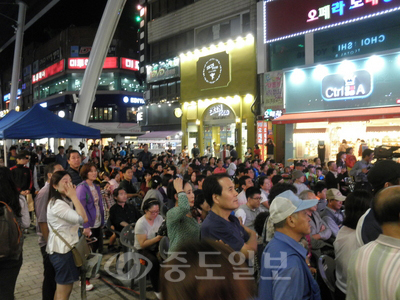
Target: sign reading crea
[219,112]
[213,71]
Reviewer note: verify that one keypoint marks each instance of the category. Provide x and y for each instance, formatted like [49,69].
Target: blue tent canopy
[38,122]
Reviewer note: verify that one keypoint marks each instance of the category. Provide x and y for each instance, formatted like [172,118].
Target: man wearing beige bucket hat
[332,215]
[284,271]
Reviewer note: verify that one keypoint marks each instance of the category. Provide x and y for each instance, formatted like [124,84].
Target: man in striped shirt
[374,269]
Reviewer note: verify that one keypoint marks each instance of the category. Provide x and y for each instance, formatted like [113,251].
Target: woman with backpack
[12,209]
[63,220]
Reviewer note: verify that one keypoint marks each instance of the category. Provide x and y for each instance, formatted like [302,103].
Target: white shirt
[242,198]
[345,245]
[231,169]
[300,187]
[63,218]
[143,227]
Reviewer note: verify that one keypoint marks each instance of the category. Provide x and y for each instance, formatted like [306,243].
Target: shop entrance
[219,126]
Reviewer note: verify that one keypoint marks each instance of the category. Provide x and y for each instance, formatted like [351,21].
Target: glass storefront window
[101,114]
[131,114]
[130,84]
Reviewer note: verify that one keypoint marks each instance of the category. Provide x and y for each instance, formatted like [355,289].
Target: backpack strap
[15,221]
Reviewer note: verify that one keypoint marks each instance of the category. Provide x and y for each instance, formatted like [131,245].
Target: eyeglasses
[257,198]
[154,212]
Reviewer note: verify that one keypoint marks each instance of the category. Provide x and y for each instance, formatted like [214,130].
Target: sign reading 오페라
[213,71]
[312,15]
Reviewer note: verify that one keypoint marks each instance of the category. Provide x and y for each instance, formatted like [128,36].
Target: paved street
[29,283]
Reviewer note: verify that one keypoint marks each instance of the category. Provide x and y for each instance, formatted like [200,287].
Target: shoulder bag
[80,251]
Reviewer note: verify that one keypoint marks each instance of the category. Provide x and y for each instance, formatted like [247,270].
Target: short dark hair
[367,152]
[259,222]
[261,180]
[200,177]
[125,169]
[348,150]
[251,191]
[242,180]
[60,147]
[211,186]
[171,192]
[116,191]
[357,204]
[315,159]
[319,187]
[149,203]
[280,188]
[330,163]
[72,151]
[386,205]
[49,169]
[85,169]
[22,155]
[166,178]
[275,180]
[270,171]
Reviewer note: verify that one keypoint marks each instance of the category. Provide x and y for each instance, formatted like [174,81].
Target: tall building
[200,61]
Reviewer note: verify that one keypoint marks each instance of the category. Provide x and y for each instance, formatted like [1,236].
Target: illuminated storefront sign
[354,85]
[213,71]
[311,16]
[50,71]
[7,97]
[350,84]
[80,63]
[272,114]
[163,70]
[133,100]
[129,64]
[219,112]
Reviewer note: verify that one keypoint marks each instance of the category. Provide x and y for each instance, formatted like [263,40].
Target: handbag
[80,251]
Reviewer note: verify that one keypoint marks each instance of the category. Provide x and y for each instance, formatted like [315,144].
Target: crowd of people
[245,228]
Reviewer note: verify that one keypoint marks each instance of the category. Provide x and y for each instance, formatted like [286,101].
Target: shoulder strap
[57,234]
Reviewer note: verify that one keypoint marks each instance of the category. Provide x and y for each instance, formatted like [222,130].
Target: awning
[340,115]
[158,135]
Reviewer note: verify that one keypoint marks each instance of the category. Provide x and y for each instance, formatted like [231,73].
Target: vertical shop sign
[273,95]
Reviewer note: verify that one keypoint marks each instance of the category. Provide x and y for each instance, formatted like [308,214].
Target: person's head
[146,147]
[335,199]
[194,282]
[264,168]
[227,161]
[61,149]
[9,193]
[320,190]
[298,176]
[357,204]
[309,195]
[204,160]
[368,155]
[120,195]
[318,172]
[201,203]
[158,167]
[166,179]
[151,208]
[88,172]
[350,151]
[193,177]
[156,182]
[249,172]
[74,159]
[259,222]
[245,182]
[253,196]
[219,190]
[13,150]
[128,173]
[299,166]
[58,184]
[280,188]
[332,166]
[386,207]
[385,173]
[23,158]
[219,163]
[344,141]
[288,215]
[271,172]
[186,187]
[211,161]
[254,163]
[265,183]
[200,180]
[277,179]
[311,169]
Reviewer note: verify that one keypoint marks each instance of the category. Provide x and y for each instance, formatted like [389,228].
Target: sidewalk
[30,278]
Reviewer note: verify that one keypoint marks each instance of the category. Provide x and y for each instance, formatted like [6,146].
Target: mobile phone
[91,240]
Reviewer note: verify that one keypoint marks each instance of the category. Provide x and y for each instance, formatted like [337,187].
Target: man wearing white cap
[332,215]
[284,271]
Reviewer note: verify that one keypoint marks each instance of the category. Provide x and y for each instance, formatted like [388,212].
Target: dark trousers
[9,270]
[49,282]
[154,273]
[98,245]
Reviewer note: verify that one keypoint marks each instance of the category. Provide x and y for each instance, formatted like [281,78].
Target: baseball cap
[286,204]
[382,172]
[335,194]
[297,174]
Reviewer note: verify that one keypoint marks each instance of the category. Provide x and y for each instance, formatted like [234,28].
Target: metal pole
[17,54]
[101,43]
[5,153]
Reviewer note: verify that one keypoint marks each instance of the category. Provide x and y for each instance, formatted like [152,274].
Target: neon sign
[129,64]
[354,85]
[80,63]
[219,111]
[272,114]
[310,16]
[50,71]
[133,100]
[7,97]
